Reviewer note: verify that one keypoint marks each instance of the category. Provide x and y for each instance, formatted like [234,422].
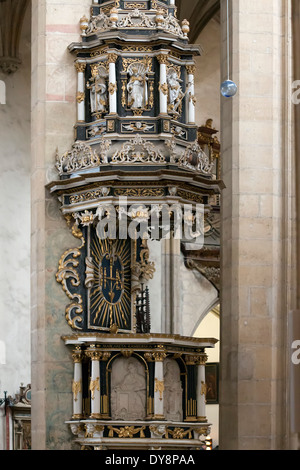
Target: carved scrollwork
[79,157]
[138,150]
[67,275]
[139,19]
[82,157]
[195,159]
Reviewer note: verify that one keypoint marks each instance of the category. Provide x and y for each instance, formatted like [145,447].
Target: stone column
[80,98]
[294,324]
[159,357]
[112,87]
[191,93]
[255,243]
[77,384]
[171,322]
[201,388]
[163,86]
[94,387]
[53,110]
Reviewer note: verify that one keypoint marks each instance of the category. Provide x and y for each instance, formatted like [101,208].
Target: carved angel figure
[175,91]
[98,90]
[137,86]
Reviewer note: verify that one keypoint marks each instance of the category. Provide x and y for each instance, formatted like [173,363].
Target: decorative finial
[185,27]
[84,22]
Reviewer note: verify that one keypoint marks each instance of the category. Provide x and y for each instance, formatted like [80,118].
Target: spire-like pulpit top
[139,4]
[131,16]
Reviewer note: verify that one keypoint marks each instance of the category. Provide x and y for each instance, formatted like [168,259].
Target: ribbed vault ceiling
[198,13]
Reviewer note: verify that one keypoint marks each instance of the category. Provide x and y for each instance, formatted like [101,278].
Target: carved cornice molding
[12,14]
[206,261]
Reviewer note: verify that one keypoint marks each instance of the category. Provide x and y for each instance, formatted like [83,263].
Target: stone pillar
[171,295]
[112,87]
[201,388]
[191,94]
[159,357]
[80,98]
[94,387]
[255,243]
[294,325]
[163,86]
[53,110]
[77,384]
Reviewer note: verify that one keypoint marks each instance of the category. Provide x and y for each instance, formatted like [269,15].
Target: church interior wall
[55,106]
[15,191]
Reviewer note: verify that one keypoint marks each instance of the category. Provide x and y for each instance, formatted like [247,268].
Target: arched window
[2,92]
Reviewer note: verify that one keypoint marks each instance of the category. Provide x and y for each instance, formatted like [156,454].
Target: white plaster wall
[15,228]
[198,296]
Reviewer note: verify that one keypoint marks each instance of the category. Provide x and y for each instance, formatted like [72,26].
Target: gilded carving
[112,88]
[138,150]
[68,276]
[145,61]
[159,354]
[76,388]
[77,355]
[159,387]
[133,6]
[112,57]
[94,385]
[80,67]
[80,96]
[163,59]
[191,69]
[126,432]
[179,433]
[163,88]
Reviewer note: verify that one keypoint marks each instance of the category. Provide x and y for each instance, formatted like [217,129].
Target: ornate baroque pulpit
[135,178]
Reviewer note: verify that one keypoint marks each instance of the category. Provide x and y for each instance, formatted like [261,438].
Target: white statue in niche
[173,391]
[175,90]
[128,389]
[98,90]
[137,86]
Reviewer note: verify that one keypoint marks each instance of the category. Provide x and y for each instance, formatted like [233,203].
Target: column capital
[77,354]
[112,57]
[163,59]
[80,66]
[93,354]
[159,354]
[191,69]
